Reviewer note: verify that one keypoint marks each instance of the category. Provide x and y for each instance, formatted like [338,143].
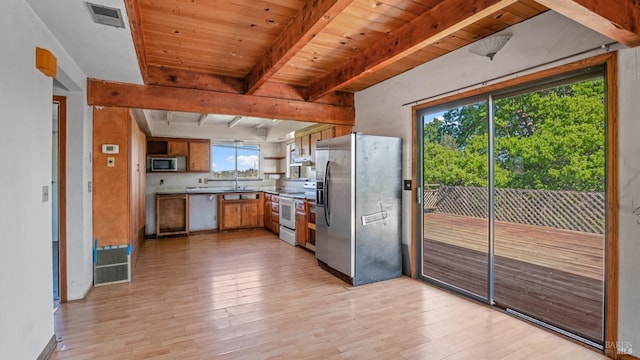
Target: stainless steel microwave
[164,164]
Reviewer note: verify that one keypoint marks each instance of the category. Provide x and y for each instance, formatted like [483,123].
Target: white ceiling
[102,52]
[220,127]
[107,53]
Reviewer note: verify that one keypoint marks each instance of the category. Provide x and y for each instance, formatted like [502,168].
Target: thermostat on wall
[110,148]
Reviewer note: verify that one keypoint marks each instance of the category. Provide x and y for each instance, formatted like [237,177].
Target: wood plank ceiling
[295,52]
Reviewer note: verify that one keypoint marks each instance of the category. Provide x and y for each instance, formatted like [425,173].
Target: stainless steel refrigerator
[358,207]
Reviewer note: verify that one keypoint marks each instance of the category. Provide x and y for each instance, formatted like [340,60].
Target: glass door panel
[550,205]
[455,197]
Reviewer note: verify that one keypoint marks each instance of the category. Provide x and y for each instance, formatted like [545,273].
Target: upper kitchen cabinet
[193,155]
[305,139]
[177,147]
[199,156]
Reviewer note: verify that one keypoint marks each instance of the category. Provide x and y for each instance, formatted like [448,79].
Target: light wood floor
[248,295]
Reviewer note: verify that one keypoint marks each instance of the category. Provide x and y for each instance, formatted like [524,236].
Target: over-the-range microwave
[164,164]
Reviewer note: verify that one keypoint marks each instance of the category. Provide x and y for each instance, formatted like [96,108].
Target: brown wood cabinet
[326,133]
[237,213]
[272,213]
[267,211]
[118,179]
[311,224]
[199,159]
[301,222]
[313,138]
[250,216]
[177,148]
[305,139]
[172,214]
[302,146]
[230,215]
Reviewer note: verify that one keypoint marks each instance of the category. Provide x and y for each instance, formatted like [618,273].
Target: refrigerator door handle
[327,212]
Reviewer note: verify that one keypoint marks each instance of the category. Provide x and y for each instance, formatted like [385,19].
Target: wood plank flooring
[248,295]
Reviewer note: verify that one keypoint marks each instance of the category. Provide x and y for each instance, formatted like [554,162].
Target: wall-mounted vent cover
[106,15]
[111,264]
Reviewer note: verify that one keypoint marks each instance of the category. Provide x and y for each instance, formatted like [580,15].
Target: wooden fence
[569,210]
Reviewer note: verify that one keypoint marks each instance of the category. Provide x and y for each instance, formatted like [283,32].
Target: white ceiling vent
[106,15]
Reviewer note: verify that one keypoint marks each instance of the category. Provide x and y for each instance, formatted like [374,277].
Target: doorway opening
[58,197]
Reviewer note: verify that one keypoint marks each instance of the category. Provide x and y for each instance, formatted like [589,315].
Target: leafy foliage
[551,139]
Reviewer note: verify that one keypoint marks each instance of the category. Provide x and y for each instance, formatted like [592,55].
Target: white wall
[26,319]
[629,129]
[545,38]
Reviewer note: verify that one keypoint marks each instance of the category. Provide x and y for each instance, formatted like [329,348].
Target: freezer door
[378,176]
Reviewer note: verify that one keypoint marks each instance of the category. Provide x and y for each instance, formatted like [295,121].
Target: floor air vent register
[111,264]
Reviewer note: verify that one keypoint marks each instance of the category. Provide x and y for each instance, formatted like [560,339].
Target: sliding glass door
[455,202]
[549,205]
[514,201]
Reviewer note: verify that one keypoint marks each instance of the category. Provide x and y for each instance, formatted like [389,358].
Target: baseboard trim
[48,350]
[627,357]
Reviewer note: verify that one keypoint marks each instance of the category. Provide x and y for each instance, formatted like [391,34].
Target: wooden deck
[248,295]
[553,275]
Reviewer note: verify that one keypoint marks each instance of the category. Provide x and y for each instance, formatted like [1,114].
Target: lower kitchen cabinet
[301,222]
[238,211]
[250,214]
[172,214]
[272,213]
[311,225]
[230,215]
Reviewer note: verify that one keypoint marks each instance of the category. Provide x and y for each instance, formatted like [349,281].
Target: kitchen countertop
[212,191]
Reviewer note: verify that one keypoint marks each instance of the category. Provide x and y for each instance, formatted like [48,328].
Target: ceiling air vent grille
[106,15]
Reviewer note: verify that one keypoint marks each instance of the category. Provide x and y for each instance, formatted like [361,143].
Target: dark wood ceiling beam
[437,23]
[105,93]
[616,19]
[133,13]
[165,76]
[314,16]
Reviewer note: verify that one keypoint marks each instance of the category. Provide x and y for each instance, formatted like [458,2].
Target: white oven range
[287,219]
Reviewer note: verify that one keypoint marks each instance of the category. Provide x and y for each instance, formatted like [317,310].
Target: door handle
[327,213]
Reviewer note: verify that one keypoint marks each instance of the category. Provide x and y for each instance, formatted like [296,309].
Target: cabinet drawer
[275,199]
[300,206]
[275,207]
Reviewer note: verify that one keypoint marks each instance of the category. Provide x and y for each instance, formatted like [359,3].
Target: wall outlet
[45,193]
[89,186]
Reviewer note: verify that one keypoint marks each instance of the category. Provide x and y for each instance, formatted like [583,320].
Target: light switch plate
[45,193]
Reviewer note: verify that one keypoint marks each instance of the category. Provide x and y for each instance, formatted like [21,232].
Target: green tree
[547,139]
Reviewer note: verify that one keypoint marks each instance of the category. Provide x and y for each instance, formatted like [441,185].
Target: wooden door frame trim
[612,241]
[62,195]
